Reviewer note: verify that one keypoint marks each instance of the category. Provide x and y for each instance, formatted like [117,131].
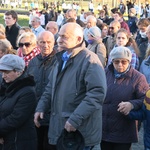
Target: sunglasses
[112,28]
[27,44]
[123,62]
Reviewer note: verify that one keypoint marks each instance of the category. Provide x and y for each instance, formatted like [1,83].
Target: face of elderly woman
[120,65]
[26,45]
[9,76]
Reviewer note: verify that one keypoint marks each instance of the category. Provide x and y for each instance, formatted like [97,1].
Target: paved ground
[139,145]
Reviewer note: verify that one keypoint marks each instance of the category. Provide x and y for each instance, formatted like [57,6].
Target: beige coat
[99,48]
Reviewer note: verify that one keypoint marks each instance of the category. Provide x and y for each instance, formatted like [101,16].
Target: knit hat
[70,141]
[95,32]
[121,52]
[12,62]
[133,11]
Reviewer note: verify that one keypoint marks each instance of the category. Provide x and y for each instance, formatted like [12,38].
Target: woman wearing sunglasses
[126,88]
[27,43]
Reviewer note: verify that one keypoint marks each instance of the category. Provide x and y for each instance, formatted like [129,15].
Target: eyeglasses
[27,44]
[111,28]
[123,62]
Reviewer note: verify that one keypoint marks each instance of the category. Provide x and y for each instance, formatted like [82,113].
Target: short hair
[5,46]
[26,29]
[119,13]
[30,35]
[45,32]
[101,26]
[71,20]
[2,29]
[91,17]
[101,11]
[143,22]
[12,13]
[117,23]
[74,13]
[54,25]
[59,11]
[37,19]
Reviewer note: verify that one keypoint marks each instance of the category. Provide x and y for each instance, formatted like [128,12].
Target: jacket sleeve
[141,87]
[101,52]
[44,102]
[22,111]
[95,82]
[139,114]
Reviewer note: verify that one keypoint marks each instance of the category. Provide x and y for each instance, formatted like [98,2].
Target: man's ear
[79,39]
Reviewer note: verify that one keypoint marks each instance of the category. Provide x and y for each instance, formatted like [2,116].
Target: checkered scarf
[29,56]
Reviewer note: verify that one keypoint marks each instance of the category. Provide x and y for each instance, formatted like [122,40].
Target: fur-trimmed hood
[10,89]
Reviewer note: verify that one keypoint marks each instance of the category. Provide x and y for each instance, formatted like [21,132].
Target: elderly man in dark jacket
[76,91]
[40,67]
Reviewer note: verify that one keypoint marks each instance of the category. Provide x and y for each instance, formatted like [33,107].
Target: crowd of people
[72,72]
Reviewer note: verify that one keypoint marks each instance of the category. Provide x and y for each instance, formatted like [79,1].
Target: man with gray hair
[36,25]
[90,22]
[76,90]
[53,28]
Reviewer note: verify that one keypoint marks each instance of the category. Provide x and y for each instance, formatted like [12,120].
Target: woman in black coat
[17,105]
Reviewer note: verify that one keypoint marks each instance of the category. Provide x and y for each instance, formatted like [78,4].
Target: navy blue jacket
[143,114]
[132,24]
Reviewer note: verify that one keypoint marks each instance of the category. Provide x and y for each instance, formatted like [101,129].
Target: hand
[69,127]
[37,116]
[1,141]
[125,107]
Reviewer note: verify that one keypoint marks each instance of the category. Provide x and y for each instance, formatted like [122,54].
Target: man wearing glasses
[111,41]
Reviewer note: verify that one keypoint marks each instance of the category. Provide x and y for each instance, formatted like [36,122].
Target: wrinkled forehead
[64,31]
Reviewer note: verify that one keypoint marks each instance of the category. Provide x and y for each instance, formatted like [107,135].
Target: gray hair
[30,35]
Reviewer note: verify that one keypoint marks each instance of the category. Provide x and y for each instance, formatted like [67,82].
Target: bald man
[53,28]
[76,90]
[90,22]
[40,67]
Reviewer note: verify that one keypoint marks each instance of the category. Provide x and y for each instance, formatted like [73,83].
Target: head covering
[133,11]
[70,141]
[95,32]
[12,62]
[121,52]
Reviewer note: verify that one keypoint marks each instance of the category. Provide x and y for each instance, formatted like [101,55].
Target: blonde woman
[27,43]
[6,48]
[2,32]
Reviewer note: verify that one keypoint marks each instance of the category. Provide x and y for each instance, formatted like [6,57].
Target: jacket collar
[75,51]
